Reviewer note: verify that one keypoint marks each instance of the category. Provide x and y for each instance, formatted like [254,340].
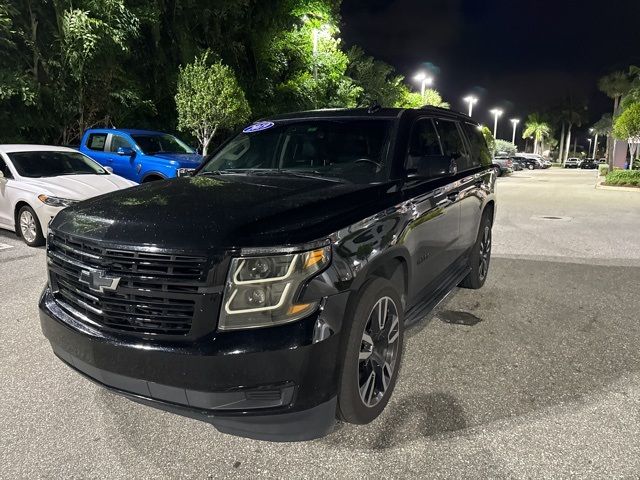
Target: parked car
[38,181]
[589,163]
[139,155]
[526,162]
[502,166]
[572,162]
[281,299]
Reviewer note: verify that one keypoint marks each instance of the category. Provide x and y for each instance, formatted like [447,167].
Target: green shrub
[603,169]
[623,177]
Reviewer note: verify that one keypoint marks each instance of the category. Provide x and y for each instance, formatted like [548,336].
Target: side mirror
[108,169]
[125,151]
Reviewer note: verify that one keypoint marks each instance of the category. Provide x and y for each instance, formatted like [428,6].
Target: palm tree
[601,128]
[614,85]
[536,128]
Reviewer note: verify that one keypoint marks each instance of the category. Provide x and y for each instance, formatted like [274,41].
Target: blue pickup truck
[139,155]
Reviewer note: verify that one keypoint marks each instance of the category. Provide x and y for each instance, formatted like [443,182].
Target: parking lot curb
[600,186]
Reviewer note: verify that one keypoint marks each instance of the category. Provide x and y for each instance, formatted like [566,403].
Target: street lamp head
[515,121]
[497,112]
[470,99]
[420,76]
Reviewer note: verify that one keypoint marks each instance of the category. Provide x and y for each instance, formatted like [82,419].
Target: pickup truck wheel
[29,227]
[480,256]
[373,353]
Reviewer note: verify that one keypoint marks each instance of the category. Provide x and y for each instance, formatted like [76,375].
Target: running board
[420,311]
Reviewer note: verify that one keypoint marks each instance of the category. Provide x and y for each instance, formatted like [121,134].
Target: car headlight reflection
[260,291]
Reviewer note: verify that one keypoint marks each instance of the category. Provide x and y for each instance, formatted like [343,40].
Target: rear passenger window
[96,141]
[480,154]
[452,144]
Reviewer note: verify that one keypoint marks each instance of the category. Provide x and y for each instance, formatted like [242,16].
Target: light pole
[316,34]
[471,100]
[514,122]
[425,80]
[496,113]
[595,145]
[590,143]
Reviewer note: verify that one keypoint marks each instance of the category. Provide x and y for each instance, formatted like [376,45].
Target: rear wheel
[29,227]
[373,353]
[480,256]
[530,167]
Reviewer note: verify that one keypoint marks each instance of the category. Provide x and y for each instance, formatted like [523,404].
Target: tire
[480,257]
[354,406]
[531,167]
[498,171]
[28,227]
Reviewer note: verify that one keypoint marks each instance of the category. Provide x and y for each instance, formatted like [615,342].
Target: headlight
[56,201]
[261,291]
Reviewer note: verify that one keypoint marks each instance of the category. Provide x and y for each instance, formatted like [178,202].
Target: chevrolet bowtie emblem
[99,281]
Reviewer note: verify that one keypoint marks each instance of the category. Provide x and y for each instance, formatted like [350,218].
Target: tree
[411,99]
[208,99]
[536,128]
[614,85]
[377,80]
[488,137]
[506,147]
[627,127]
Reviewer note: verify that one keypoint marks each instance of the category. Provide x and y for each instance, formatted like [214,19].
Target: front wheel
[480,256]
[373,353]
[29,226]
[531,167]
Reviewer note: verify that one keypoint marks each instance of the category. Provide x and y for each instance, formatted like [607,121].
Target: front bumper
[45,214]
[276,384]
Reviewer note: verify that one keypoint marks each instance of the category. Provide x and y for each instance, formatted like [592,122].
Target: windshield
[354,150]
[54,164]
[165,143]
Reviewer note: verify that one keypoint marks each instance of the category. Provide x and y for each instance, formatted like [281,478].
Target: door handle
[453,196]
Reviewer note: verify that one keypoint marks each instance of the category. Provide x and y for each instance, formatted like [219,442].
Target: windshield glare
[54,164]
[151,144]
[354,150]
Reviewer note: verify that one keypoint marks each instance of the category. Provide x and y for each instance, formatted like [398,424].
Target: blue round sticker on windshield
[258,127]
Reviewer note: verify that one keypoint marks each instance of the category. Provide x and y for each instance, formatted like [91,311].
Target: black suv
[269,292]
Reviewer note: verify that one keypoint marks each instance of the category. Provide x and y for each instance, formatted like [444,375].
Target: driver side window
[117,141]
[424,148]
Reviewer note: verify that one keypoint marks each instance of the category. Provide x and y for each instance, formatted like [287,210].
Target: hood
[222,212]
[78,187]
[185,159]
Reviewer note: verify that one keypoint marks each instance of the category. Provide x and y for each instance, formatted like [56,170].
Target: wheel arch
[152,177]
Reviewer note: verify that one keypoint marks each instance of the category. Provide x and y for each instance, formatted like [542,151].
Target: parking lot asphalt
[535,375]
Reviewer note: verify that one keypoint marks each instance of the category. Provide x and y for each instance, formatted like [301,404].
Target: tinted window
[117,141]
[163,143]
[96,141]
[4,169]
[424,140]
[452,144]
[355,150]
[53,164]
[480,154]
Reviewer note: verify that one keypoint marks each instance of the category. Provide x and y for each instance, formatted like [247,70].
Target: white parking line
[4,246]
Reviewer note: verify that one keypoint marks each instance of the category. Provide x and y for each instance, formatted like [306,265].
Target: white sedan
[38,181]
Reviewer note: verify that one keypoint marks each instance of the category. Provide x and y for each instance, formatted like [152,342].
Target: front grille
[155,293]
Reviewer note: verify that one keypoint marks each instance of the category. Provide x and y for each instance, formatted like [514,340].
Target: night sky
[521,56]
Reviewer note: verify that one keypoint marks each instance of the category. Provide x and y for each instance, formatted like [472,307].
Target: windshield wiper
[313,174]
